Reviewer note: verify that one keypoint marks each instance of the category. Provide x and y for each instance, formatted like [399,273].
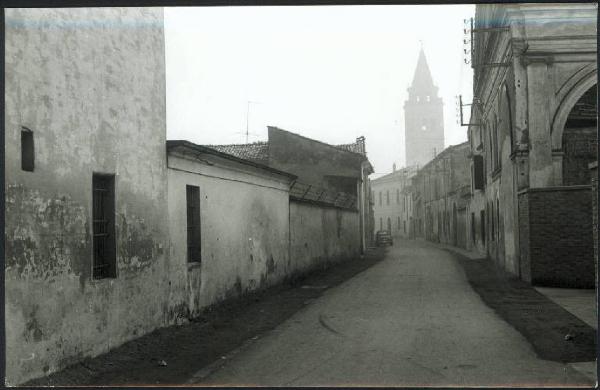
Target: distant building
[336,174]
[392,202]
[423,117]
[532,134]
[441,191]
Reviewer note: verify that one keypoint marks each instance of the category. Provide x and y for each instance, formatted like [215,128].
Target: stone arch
[580,140]
[581,86]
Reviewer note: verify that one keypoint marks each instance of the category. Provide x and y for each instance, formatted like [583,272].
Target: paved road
[410,320]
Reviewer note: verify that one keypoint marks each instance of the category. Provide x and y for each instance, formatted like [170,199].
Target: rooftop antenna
[248,116]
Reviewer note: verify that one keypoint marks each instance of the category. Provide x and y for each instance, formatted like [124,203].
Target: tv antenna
[248,116]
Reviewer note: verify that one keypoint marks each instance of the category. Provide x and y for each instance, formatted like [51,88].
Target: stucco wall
[320,236]
[90,83]
[244,232]
[312,161]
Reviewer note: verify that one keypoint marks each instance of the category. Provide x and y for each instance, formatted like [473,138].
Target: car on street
[383,237]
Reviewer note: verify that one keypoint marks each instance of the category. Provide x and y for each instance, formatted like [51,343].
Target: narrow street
[410,320]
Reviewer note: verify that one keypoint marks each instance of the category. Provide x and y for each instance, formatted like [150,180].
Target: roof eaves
[173,144]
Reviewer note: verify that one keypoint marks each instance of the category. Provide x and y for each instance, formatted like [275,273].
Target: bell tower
[423,117]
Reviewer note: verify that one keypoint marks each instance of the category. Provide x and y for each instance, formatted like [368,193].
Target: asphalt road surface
[410,320]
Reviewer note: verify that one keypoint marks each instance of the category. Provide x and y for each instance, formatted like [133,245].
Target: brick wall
[556,236]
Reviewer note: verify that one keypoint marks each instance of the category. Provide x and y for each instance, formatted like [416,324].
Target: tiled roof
[257,151]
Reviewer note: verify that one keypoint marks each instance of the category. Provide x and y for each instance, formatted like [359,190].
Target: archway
[568,100]
[579,139]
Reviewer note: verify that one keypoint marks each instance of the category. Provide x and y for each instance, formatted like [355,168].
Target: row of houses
[519,191]
[112,231]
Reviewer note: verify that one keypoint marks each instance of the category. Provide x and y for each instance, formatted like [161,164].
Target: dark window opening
[27,150]
[478,173]
[103,215]
[193,224]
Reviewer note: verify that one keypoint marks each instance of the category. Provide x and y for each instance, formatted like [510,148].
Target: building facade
[392,202]
[423,117]
[532,135]
[229,227]
[86,243]
[441,192]
[331,174]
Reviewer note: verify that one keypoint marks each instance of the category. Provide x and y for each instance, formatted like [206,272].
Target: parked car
[383,237]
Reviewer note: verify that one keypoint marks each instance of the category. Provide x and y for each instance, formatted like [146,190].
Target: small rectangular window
[103,215]
[193,224]
[27,150]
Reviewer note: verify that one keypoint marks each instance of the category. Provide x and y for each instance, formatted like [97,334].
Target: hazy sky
[331,73]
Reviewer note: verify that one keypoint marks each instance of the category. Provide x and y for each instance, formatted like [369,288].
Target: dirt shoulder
[221,328]
[543,322]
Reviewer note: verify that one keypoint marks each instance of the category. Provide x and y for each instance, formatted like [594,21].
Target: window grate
[103,211]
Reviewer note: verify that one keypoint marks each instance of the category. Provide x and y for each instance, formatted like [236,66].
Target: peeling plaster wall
[244,232]
[90,83]
[320,236]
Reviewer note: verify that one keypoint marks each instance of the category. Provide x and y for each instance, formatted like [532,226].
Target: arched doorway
[579,140]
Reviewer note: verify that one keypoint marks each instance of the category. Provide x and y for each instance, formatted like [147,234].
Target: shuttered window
[193,223]
[478,173]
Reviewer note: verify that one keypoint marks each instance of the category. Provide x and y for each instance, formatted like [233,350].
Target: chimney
[394,167]
[360,142]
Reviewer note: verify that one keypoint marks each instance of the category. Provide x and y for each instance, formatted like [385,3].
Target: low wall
[556,239]
[321,235]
